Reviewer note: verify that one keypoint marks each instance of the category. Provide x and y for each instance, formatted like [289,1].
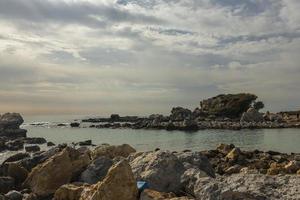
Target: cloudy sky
[146,56]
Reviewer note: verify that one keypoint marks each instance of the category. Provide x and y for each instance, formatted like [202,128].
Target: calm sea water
[283,140]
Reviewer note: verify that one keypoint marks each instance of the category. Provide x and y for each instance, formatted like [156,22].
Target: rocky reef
[226,111]
[110,172]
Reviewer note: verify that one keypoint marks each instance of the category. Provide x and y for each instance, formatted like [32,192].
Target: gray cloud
[137,57]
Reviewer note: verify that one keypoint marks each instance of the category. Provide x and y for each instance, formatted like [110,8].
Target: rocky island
[225,111]
[115,172]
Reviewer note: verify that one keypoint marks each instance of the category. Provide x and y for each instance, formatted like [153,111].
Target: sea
[282,140]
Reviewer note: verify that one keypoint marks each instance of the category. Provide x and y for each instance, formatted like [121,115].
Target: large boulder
[10,125]
[180,114]
[118,184]
[112,151]
[252,115]
[228,105]
[11,121]
[162,170]
[58,170]
[97,170]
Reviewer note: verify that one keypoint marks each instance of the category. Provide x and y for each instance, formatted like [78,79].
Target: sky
[146,56]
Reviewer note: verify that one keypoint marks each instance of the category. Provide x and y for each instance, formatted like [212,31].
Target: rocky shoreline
[108,172]
[231,111]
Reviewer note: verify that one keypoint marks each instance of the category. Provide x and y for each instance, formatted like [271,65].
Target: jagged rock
[6,184]
[252,115]
[233,169]
[14,195]
[180,114]
[228,105]
[118,184]
[162,170]
[97,170]
[155,195]
[33,148]
[112,151]
[69,192]
[197,160]
[47,177]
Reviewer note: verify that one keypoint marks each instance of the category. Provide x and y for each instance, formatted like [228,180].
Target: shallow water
[283,140]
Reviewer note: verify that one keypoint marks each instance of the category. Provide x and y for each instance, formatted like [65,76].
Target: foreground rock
[47,177]
[118,184]
[247,186]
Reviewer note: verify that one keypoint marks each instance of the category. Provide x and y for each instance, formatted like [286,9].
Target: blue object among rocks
[142,185]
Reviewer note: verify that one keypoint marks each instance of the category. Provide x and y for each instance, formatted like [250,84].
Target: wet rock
[50,144]
[75,124]
[85,143]
[112,151]
[16,157]
[15,145]
[33,148]
[97,170]
[118,184]
[252,115]
[155,195]
[161,170]
[228,105]
[47,177]
[36,140]
[69,192]
[6,184]
[14,195]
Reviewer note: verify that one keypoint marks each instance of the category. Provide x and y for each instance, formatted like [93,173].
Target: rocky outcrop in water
[10,125]
[228,105]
